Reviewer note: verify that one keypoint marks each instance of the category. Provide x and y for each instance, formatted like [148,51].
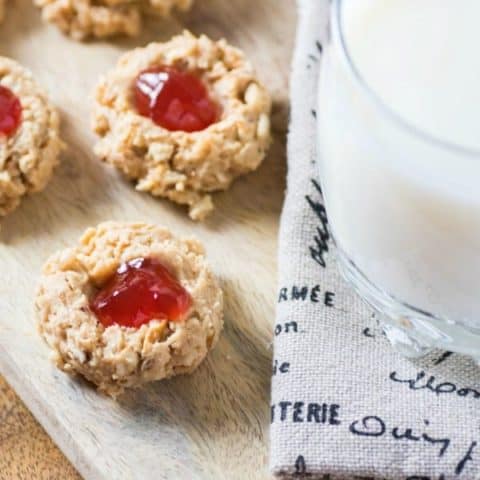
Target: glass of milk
[399,159]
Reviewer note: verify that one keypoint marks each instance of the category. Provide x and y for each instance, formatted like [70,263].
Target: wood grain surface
[214,423]
[26,451]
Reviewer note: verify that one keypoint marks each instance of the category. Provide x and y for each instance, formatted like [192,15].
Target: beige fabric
[344,403]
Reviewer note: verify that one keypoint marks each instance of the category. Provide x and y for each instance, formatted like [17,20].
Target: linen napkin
[344,403]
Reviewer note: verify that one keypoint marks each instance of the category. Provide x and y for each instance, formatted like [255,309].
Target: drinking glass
[404,211]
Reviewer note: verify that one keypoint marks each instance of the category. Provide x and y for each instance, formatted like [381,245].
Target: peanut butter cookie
[183,119]
[129,304]
[29,135]
[102,18]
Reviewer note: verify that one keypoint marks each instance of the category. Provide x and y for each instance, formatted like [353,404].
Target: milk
[398,160]
[421,58]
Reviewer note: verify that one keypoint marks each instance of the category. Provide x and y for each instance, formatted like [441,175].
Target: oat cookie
[117,357]
[29,153]
[185,167]
[102,18]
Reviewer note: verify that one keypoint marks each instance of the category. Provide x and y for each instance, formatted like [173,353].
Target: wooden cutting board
[214,423]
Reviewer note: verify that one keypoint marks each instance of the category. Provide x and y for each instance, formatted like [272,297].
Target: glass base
[411,331]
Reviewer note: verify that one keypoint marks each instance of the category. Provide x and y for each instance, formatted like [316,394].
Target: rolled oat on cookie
[183,119]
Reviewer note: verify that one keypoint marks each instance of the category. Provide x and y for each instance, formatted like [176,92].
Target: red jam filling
[140,291]
[10,111]
[175,100]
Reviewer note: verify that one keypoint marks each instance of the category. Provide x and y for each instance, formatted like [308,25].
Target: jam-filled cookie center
[141,290]
[174,99]
[10,111]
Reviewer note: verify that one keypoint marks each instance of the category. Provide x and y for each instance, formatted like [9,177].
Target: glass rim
[379,103]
